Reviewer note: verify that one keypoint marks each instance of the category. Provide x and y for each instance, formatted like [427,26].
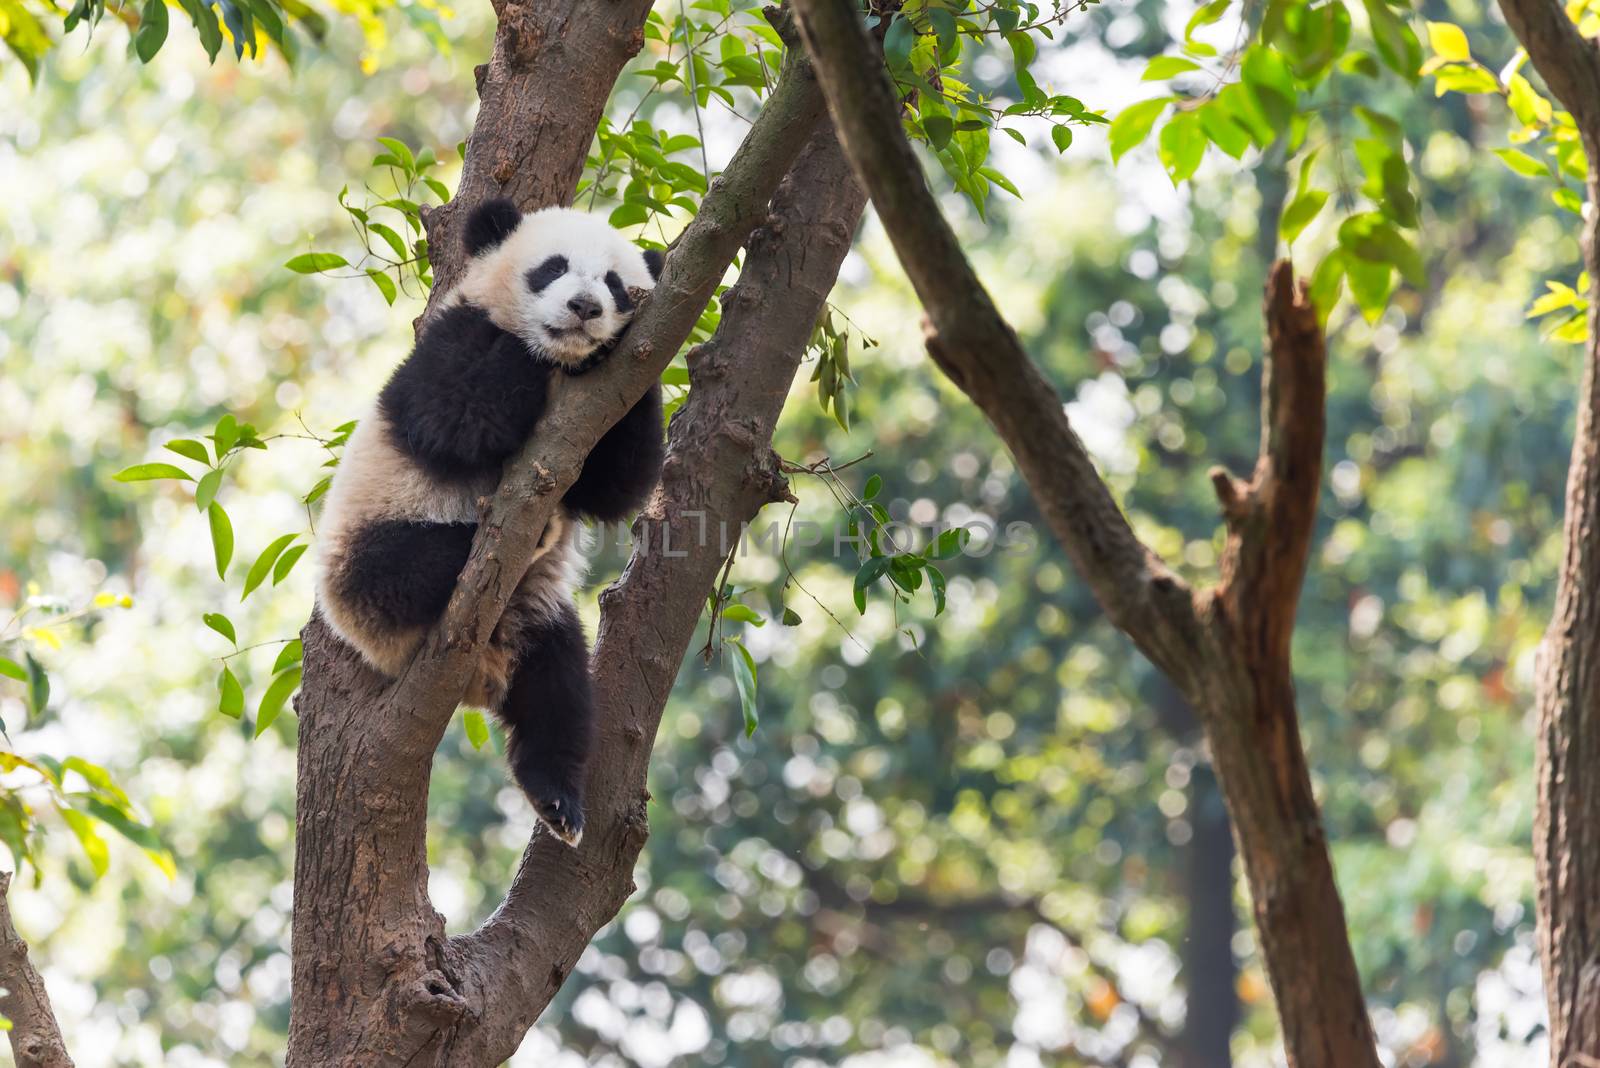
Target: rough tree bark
[376,980]
[1227,649]
[35,1036]
[1566,833]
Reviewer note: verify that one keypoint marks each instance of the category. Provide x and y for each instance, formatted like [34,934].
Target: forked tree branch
[1227,650]
[1271,518]
[35,1035]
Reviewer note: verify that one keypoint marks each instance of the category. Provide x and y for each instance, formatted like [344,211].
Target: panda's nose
[585,308]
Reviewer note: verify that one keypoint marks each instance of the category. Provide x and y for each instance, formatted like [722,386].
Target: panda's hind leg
[548,713]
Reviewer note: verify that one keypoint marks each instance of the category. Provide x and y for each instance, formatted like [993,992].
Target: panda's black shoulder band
[654,258]
[489,224]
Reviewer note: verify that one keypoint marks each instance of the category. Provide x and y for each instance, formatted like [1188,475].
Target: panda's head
[563,281]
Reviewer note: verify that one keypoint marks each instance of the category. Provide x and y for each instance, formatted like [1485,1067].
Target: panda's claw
[562,815]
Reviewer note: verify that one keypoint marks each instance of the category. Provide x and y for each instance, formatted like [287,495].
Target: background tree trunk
[1566,833]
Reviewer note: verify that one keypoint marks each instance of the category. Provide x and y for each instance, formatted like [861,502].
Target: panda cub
[543,294]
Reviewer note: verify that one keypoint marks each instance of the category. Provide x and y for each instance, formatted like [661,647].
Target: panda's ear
[489,224]
[653,259]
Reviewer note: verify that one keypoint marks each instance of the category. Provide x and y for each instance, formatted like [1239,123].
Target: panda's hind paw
[561,811]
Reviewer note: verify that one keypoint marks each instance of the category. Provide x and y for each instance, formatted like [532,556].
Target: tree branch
[980,352]
[1272,517]
[541,95]
[369,949]
[1228,653]
[720,471]
[35,1036]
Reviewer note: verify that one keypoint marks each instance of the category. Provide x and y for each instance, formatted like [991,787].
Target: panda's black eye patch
[619,292]
[547,272]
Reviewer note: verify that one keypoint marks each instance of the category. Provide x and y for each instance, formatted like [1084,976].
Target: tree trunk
[1210,972]
[1566,831]
[376,979]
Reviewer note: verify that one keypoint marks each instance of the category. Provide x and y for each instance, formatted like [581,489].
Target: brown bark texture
[1227,649]
[35,1037]
[1566,831]
[376,979]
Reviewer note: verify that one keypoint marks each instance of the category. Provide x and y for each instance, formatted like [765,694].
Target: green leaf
[286,562]
[314,262]
[744,677]
[152,31]
[1134,123]
[402,152]
[951,542]
[205,491]
[1205,16]
[739,613]
[1222,129]
[874,484]
[898,42]
[1163,67]
[791,618]
[869,573]
[1182,145]
[1522,163]
[1370,284]
[263,565]
[12,670]
[939,129]
[1398,46]
[1448,42]
[38,686]
[222,625]
[1062,137]
[1566,198]
[1373,239]
[944,28]
[1326,283]
[273,700]
[94,847]
[477,727]
[230,701]
[291,653]
[936,584]
[384,283]
[221,538]
[189,450]
[1461,79]
[226,435]
[391,238]
[1000,180]
[1267,79]
[150,472]
[1298,215]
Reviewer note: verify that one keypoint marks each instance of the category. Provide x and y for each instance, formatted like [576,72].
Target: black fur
[549,718]
[622,468]
[619,292]
[489,224]
[468,397]
[404,572]
[655,259]
[546,272]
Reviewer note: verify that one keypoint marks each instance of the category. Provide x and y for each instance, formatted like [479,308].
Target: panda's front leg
[548,713]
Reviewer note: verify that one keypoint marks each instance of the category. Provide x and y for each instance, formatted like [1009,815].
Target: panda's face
[563,281]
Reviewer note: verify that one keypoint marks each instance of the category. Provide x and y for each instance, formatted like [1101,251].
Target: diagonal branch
[1229,654]
[1271,518]
[980,352]
[720,471]
[35,1035]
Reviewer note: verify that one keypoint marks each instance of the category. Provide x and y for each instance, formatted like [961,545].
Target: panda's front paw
[559,809]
